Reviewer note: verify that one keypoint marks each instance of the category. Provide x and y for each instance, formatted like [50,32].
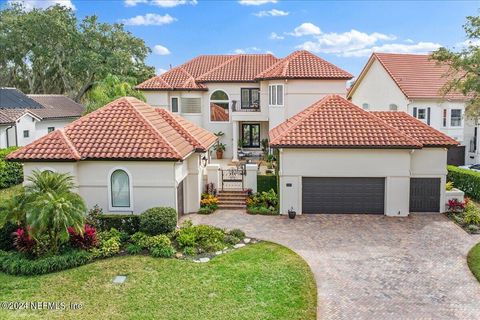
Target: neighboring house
[244,95]
[413,83]
[127,157]
[25,118]
[335,157]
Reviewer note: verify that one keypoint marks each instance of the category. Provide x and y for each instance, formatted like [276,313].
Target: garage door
[343,195]
[425,194]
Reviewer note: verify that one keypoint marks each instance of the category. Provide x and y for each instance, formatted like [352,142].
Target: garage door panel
[343,195]
[425,194]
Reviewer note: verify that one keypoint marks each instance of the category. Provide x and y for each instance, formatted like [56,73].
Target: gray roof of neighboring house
[14,104]
[11,98]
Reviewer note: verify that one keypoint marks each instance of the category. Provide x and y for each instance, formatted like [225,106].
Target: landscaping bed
[464,213]
[261,281]
[473,260]
[263,203]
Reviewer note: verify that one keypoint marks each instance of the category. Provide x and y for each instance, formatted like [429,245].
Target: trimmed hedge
[123,222]
[11,173]
[16,263]
[466,180]
[158,220]
[266,182]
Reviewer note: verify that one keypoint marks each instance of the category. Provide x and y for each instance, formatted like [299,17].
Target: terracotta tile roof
[56,106]
[243,68]
[415,128]
[417,75]
[124,129]
[303,64]
[335,122]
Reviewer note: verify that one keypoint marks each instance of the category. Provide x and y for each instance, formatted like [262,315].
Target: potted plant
[291,213]
[219,148]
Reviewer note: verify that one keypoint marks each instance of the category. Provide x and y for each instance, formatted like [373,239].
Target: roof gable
[334,122]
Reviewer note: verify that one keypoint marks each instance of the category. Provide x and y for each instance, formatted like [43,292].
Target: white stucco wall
[154,183]
[41,127]
[3,136]
[395,165]
[26,122]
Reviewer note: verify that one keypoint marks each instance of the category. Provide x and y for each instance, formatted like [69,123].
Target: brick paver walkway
[372,266]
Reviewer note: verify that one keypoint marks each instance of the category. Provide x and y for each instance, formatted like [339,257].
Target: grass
[261,281]
[8,192]
[473,260]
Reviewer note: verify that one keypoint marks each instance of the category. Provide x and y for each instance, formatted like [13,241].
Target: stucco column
[235,141]
[251,177]
[213,175]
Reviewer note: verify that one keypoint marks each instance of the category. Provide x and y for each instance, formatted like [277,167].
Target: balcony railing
[237,107]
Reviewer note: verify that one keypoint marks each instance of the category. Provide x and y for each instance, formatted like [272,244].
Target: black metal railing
[235,176]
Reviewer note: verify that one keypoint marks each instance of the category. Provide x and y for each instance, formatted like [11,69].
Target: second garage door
[343,195]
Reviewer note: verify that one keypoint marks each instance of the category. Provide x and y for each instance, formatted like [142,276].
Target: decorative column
[235,141]
[213,175]
[251,176]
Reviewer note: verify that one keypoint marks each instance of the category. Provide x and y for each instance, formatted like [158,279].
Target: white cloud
[305,29]
[419,48]
[251,50]
[133,3]
[255,2]
[161,50]
[343,42]
[42,4]
[409,41]
[468,43]
[275,36]
[271,13]
[149,19]
[161,71]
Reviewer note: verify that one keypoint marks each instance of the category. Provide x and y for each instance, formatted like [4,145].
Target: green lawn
[473,260]
[8,192]
[261,281]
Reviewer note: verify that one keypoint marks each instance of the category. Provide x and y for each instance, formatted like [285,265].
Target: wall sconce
[204,161]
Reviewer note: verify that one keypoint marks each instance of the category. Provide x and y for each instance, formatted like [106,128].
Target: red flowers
[23,242]
[455,206]
[84,241]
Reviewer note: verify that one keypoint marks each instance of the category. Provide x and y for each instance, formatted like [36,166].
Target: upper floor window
[365,106]
[26,133]
[50,129]
[422,114]
[191,105]
[250,98]
[174,104]
[444,117]
[275,95]
[393,107]
[219,107]
[120,190]
[456,117]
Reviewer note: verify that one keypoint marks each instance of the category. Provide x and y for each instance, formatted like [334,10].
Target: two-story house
[414,83]
[244,95]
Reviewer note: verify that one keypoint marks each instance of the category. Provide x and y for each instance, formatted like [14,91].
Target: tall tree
[465,67]
[50,51]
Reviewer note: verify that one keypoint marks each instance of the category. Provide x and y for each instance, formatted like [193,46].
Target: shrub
[189,251]
[266,183]
[230,239]
[16,263]
[263,199]
[206,210]
[85,240]
[7,235]
[466,180]
[128,223]
[472,214]
[162,252]
[159,241]
[203,238]
[158,220]
[108,244]
[139,239]
[262,211]
[237,233]
[23,242]
[473,228]
[134,248]
[11,173]
[456,206]
[208,200]
[449,186]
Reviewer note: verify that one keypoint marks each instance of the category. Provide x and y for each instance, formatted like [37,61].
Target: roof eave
[286,146]
[171,89]
[303,78]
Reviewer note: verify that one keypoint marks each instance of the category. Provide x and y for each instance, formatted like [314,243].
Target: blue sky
[344,33]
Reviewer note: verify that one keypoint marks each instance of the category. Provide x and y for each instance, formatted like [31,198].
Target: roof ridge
[232,58]
[390,74]
[70,144]
[155,129]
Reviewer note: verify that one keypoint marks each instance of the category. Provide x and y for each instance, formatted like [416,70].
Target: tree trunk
[84,88]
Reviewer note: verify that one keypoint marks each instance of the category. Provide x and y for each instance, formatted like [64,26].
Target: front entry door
[251,135]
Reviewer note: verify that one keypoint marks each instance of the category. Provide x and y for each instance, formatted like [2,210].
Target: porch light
[204,161]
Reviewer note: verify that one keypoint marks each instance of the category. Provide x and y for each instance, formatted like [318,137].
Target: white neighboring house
[126,157]
[244,95]
[26,118]
[335,157]
[413,83]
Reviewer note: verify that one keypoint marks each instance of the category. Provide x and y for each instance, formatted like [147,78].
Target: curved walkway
[372,266]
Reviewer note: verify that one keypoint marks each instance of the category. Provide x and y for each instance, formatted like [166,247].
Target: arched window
[120,190]
[219,107]
[393,107]
[365,106]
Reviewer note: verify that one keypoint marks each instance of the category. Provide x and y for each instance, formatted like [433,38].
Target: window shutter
[415,112]
[428,115]
[191,105]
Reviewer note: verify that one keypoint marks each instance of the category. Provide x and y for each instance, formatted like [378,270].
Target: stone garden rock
[240,245]
[203,260]
[247,240]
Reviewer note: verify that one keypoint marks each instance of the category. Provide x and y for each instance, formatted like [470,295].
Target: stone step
[243,193]
[232,197]
[231,206]
[241,202]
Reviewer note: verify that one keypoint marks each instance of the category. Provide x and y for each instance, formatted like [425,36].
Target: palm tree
[13,208]
[51,207]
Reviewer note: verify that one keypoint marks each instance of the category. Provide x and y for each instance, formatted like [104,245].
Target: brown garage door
[425,194]
[343,195]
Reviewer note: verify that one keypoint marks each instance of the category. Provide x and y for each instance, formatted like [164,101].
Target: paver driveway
[372,266]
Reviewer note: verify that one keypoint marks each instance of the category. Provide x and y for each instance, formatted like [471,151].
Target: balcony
[254,107]
[251,112]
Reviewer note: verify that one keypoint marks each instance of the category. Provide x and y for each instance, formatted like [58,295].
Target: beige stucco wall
[396,165]
[154,183]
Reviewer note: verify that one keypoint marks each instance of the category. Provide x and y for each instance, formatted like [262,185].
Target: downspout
[6,134]
[16,135]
